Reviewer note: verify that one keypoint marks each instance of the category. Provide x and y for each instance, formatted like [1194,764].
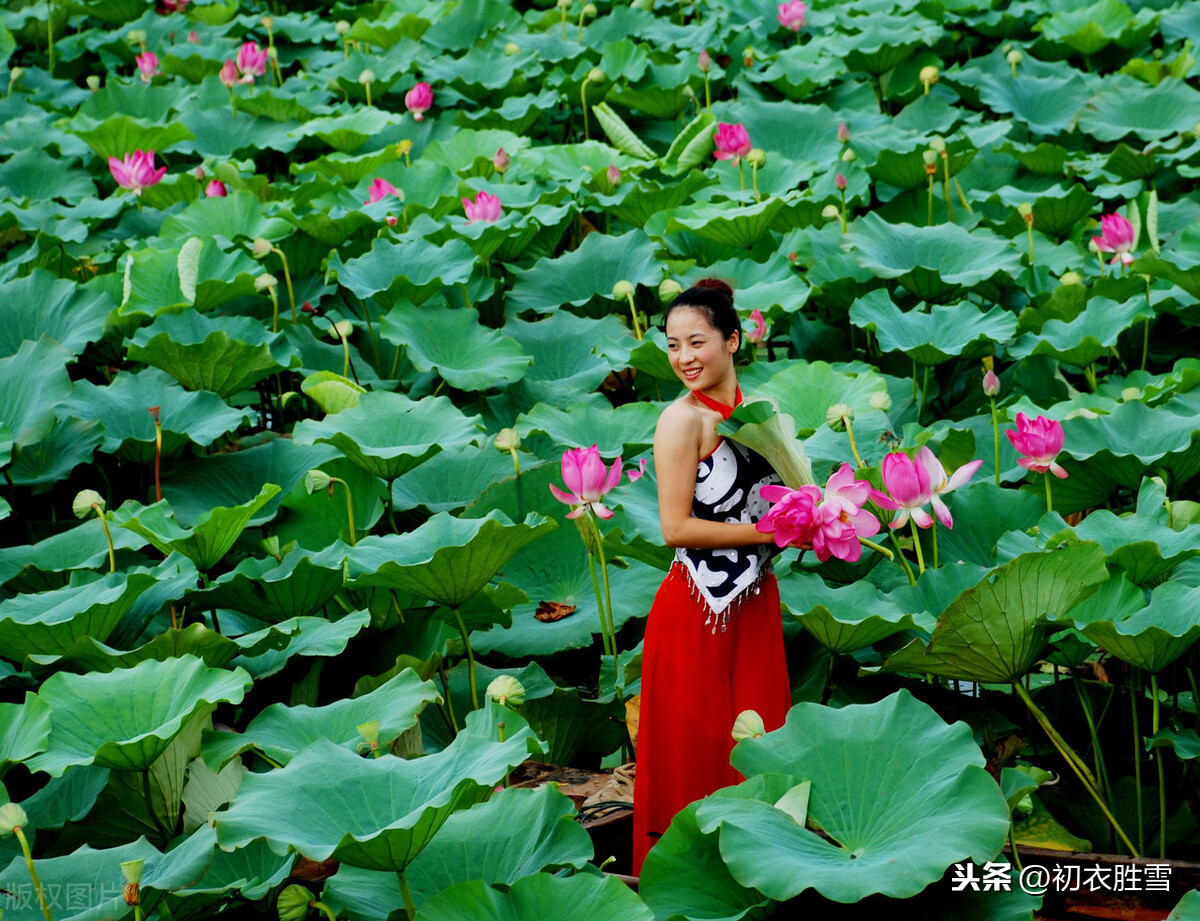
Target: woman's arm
[676,455]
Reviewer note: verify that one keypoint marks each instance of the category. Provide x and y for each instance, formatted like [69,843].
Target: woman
[714,639]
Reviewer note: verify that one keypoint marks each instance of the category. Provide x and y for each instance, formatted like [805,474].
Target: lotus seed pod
[1070,278]
[137,36]
[930,157]
[596,75]
[507,440]
[11,816]
[849,156]
[367,76]
[1093,247]
[273,53]
[511,48]
[829,212]
[93,83]
[1130,394]
[506,691]
[1014,58]
[838,415]
[341,330]
[1025,209]
[404,147]
[757,157]
[342,27]
[748,725]
[622,290]
[293,903]
[132,871]
[669,289]
[82,506]
[268,22]
[316,480]
[589,9]
[369,732]
[265,282]
[260,247]
[563,4]
[880,400]
[928,75]
[748,57]
[937,144]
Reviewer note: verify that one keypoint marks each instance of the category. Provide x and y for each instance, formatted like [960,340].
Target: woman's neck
[722,398]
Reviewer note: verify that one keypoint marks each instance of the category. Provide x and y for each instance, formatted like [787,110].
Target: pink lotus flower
[251,61]
[485,208]
[733,143]
[198,172]
[193,36]
[380,189]
[1116,236]
[1039,440]
[794,515]
[418,100]
[843,133]
[136,171]
[173,6]
[940,484]
[501,161]
[759,332]
[613,174]
[791,14]
[839,182]
[148,64]
[587,480]
[843,520]
[991,383]
[228,74]
[704,62]
[909,486]
[215,189]
[637,474]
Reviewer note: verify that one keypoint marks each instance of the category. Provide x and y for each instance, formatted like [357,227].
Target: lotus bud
[260,248]
[228,74]
[194,37]
[265,282]
[843,133]
[937,144]
[341,329]
[748,57]
[1025,209]
[369,732]
[839,182]
[293,903]
[83,502]
[1014,58]
[838,415]
[757,157]
[829,212]
[392,220]
[928,76]
[704,62]
[613,175]
[506,440]
[1093,247]
[501,161]
[12,816]
[198,172]
[93,83]
[596,75]
[880,400]
[268,22]
[316,480]
[341,27]
[589,9]
[511,48]
[367,76]
[991,383]
[669,289]
[849,156]
[1070,278]
[1130,394]
[622,290]
[506,691]
[137,36]
[748,725]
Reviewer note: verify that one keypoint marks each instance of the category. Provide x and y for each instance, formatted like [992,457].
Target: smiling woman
[714,639]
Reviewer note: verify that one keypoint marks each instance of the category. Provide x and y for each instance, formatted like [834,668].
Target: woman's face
[699,354]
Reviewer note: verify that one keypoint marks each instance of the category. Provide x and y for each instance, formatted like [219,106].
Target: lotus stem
[915,391]
[582,14]
[917,544]
[154,410]
[707,95]
[33,874]
[1137,757]
[466,293]
[934,529]
[612,628]
[946,185]
[323,909]
[50,44]
[637,328]
[462,630]
[1029,233]
[349,504]
[1145,342]
[410,907]
[274,308]
[1162,790]
[929,220]
[742,174]
[853,447]
[1049,501]
[112,556]
[754,181]
[962,197]
[877,548]
[1012,843]
[843,217]
[345,348]
[516,461]
[582,88]
[608,646]
[233,102]
[924,392]
[1090,373]
[996,438]
[1192,681]
[564,35]
[912,580]
[1086,706]
[1074,762]
[449,701]
[287,278]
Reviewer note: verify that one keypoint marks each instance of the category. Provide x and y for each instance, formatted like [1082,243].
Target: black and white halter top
[727,489]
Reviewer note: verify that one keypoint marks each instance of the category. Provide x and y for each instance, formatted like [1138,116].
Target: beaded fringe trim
[723,618]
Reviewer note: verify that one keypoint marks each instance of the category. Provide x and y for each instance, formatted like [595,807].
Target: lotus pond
[302,305]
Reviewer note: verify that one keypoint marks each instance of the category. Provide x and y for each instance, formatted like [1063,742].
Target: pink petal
[943,513]
[963,474]
[922,518]
[564,497]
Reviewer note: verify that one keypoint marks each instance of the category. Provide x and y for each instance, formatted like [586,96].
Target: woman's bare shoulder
[681,417]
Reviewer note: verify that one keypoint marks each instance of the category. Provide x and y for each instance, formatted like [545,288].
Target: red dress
[713,648]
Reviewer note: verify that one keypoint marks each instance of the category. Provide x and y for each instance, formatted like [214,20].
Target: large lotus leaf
[899,161]
[385,809]
[96,873]
[68,444]
[24,729]
[387,434]
[30,174]
[1088,29]
[464,353]
[152,285]
[125,719]
[213,533]
[848,618]
[1187,275]
[67,798]
[452,479]
[281,731]
[1153,636]
[314,637]
[1187,909]
[996,630]
[882,42]
[983,513]
[541,897]
[637,203]
[931,261]
[598,263]
[1129,106]
[32,383]
[1082,340]
[737,228]
[1056,210]
[273,590]
[121,135]
[945,332]
[806,390]
[237,216]
[251,871]
[347,133]
[1048,105]
[762,427]
[561,369]
[49,622]
[40,304]
[411,268]
[517,833]
[628,429]
[898,795]
[447,560]
[122,408]
[223,354]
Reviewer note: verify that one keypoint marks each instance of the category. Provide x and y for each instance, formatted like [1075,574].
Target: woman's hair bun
[716,284]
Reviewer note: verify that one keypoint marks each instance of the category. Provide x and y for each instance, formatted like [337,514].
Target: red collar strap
[725,411]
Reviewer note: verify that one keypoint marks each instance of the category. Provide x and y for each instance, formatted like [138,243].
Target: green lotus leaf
[848,618]
[880,44]
[899,162]
[983,513]
[447,560]
[621,135]
[540,897]
[24,729]
[527,832]
[1082,340]
[206,792]
[1185,742]
[1147,112]
[516,113]
[636,203]
[32,383]
[314,637]
[760,425]
[68,444]
[737,228]
[762,286]
[1187,276]
[281,732]
[1087,29]
[30,174]
[1155,635]
[452,479]
[411,268]
[561,369]
[273,590]
[996,630]
[152,286]
[1041,829]
[869,764]
[931,262]
[1044,158]
[40,304]
[806,390]
[598,263]
[126,718]
[349,169]
[237,216]
[628,429]
[252,871]
[452,341]
[1048,105]
[348,132]
[198,417]
[1055,210]
[67,798]
[389,808]
[799,70]
[211,536]
[121,134]
[1187,909]
[387,434]
[945,332]
[219,137]
[332,392]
